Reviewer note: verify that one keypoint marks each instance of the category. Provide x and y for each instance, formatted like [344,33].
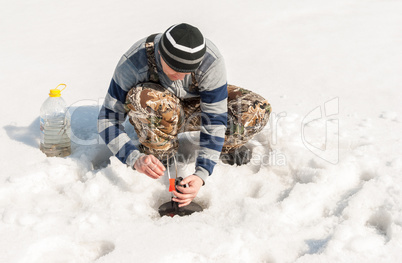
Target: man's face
[171,73]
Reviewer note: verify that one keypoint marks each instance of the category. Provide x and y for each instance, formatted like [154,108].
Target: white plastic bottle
[55,125]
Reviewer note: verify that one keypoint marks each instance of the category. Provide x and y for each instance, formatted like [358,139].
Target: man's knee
[247,111]
[156,115]
[156,107]
[248,114]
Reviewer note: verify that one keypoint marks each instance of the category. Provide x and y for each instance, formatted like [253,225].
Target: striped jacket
[132,69]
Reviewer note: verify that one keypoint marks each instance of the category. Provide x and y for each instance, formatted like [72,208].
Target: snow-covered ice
[324,184]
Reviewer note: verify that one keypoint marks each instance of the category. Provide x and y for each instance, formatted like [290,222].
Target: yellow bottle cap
[57,92]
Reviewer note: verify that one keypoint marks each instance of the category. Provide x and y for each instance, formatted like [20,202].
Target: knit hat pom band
[182,47]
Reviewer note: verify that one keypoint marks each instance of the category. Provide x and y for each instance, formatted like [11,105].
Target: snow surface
[325,181]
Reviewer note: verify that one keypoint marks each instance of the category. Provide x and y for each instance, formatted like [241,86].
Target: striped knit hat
[182,47]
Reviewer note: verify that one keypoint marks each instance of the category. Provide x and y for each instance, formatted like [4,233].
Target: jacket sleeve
[113,114]
[213,93]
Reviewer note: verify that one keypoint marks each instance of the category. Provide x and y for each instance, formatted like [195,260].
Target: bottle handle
[62,84]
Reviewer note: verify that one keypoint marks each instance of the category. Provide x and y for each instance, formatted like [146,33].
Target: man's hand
[189,193]
[150,165]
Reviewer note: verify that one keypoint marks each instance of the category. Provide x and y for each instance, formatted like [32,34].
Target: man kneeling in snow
[176,82]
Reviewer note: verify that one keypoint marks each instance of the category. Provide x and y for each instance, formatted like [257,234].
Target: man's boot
[237,156]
